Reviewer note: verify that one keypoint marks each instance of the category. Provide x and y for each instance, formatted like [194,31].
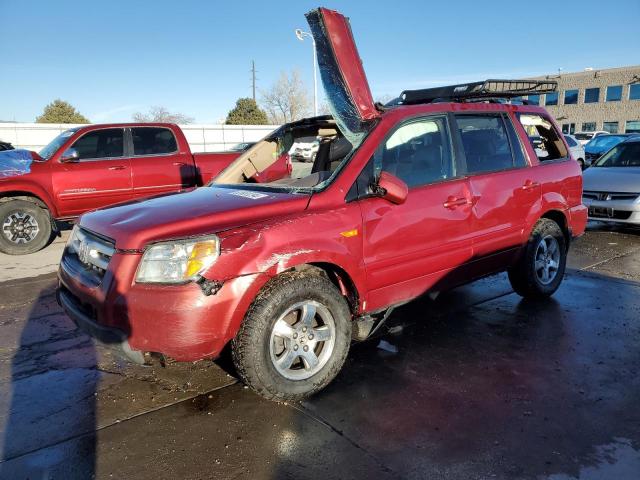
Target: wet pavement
[476,384]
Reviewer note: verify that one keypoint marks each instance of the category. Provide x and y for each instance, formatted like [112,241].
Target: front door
[410,247]
[101,176]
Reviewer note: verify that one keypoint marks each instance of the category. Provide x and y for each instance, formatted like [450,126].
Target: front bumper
[111,338]
[613,211]
[179,321]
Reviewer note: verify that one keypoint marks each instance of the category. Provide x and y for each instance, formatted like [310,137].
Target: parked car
[5,146]
[305,151]
[612,185]
[599,145]
[576,149]
[97,165]
[584,137]
[439,190]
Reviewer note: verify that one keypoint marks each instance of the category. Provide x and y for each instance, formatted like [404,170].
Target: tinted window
[571,141]
[549,145]
[634,91]
[418,153]
[570,97]
[485,141]
[551,99]
[632,126]
[153,141]
[611,127]
[106,143]
[591,95]
[614,93]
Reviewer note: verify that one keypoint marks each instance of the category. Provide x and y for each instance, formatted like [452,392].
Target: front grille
[608,196]
[91,251]
[610,213]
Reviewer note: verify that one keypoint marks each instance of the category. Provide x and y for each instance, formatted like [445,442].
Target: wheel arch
[30,196]
[560,218]
[339,277]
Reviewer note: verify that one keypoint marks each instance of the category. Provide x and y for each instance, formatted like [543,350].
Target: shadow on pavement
[54,384]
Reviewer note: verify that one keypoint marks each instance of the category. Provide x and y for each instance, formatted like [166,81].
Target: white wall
[201,138]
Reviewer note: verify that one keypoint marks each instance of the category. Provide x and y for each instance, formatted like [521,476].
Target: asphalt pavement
[475,384]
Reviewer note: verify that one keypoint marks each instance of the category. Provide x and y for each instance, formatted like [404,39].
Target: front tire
[540,269]
[294,338]
[24,227]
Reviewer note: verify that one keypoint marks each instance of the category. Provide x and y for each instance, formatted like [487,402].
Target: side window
[544,138]
[153,141]
[418,153]
[106,143]
[485,142]
[570,141]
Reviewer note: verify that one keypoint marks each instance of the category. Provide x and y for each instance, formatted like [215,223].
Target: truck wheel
[540,270]
[24,227]
[294,338]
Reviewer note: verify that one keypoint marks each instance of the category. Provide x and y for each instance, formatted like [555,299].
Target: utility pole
[253,78]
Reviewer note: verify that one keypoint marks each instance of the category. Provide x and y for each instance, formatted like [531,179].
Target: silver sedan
[611,188]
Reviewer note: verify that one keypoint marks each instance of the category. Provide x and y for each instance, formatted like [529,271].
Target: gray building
[607,99]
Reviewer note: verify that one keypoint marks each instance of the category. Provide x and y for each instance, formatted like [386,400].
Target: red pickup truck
[437,189]
[90,167]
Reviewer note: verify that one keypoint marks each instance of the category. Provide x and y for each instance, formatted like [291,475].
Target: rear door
[157,164]
[409,247]
[101,176]
[503,183]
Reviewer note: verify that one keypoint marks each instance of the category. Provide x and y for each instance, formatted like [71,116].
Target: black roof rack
[487,89]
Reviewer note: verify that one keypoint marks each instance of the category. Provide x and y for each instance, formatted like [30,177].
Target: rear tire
[25,227]
[540,269]
[294,338]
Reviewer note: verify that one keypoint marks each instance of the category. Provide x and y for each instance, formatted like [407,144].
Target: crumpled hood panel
[202,211]
[612,179]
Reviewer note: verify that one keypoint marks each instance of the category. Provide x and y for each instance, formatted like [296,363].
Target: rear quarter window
[550,145]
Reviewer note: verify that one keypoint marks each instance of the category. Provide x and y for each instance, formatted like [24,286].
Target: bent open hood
[343,77]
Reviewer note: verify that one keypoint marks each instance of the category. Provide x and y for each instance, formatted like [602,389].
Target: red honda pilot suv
[440,187]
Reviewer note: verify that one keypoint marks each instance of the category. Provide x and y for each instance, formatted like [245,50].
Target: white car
[576,148]
[584,137]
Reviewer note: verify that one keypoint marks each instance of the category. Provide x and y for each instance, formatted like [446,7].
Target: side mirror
[391,188]
[70,155]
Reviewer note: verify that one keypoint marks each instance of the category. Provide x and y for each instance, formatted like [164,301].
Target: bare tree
[287,99]
[161,114]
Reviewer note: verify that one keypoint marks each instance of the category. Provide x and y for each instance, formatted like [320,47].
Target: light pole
[300,35]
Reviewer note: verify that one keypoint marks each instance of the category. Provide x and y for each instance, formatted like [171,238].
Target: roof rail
[486,89]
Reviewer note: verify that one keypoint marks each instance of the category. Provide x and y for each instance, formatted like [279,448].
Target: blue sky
[113,58]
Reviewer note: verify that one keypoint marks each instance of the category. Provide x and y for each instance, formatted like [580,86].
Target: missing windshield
[301,155]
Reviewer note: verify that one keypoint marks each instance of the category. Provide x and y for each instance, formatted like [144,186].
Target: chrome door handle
[453,202]
[529,184]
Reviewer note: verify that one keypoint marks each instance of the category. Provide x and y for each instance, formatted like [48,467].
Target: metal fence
[201,138]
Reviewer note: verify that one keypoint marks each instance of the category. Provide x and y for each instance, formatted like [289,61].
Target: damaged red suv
[439,188]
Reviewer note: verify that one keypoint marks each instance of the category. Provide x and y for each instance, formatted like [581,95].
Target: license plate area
[601,212]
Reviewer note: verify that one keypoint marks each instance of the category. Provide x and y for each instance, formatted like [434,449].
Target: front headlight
[178,261]
[74,240]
